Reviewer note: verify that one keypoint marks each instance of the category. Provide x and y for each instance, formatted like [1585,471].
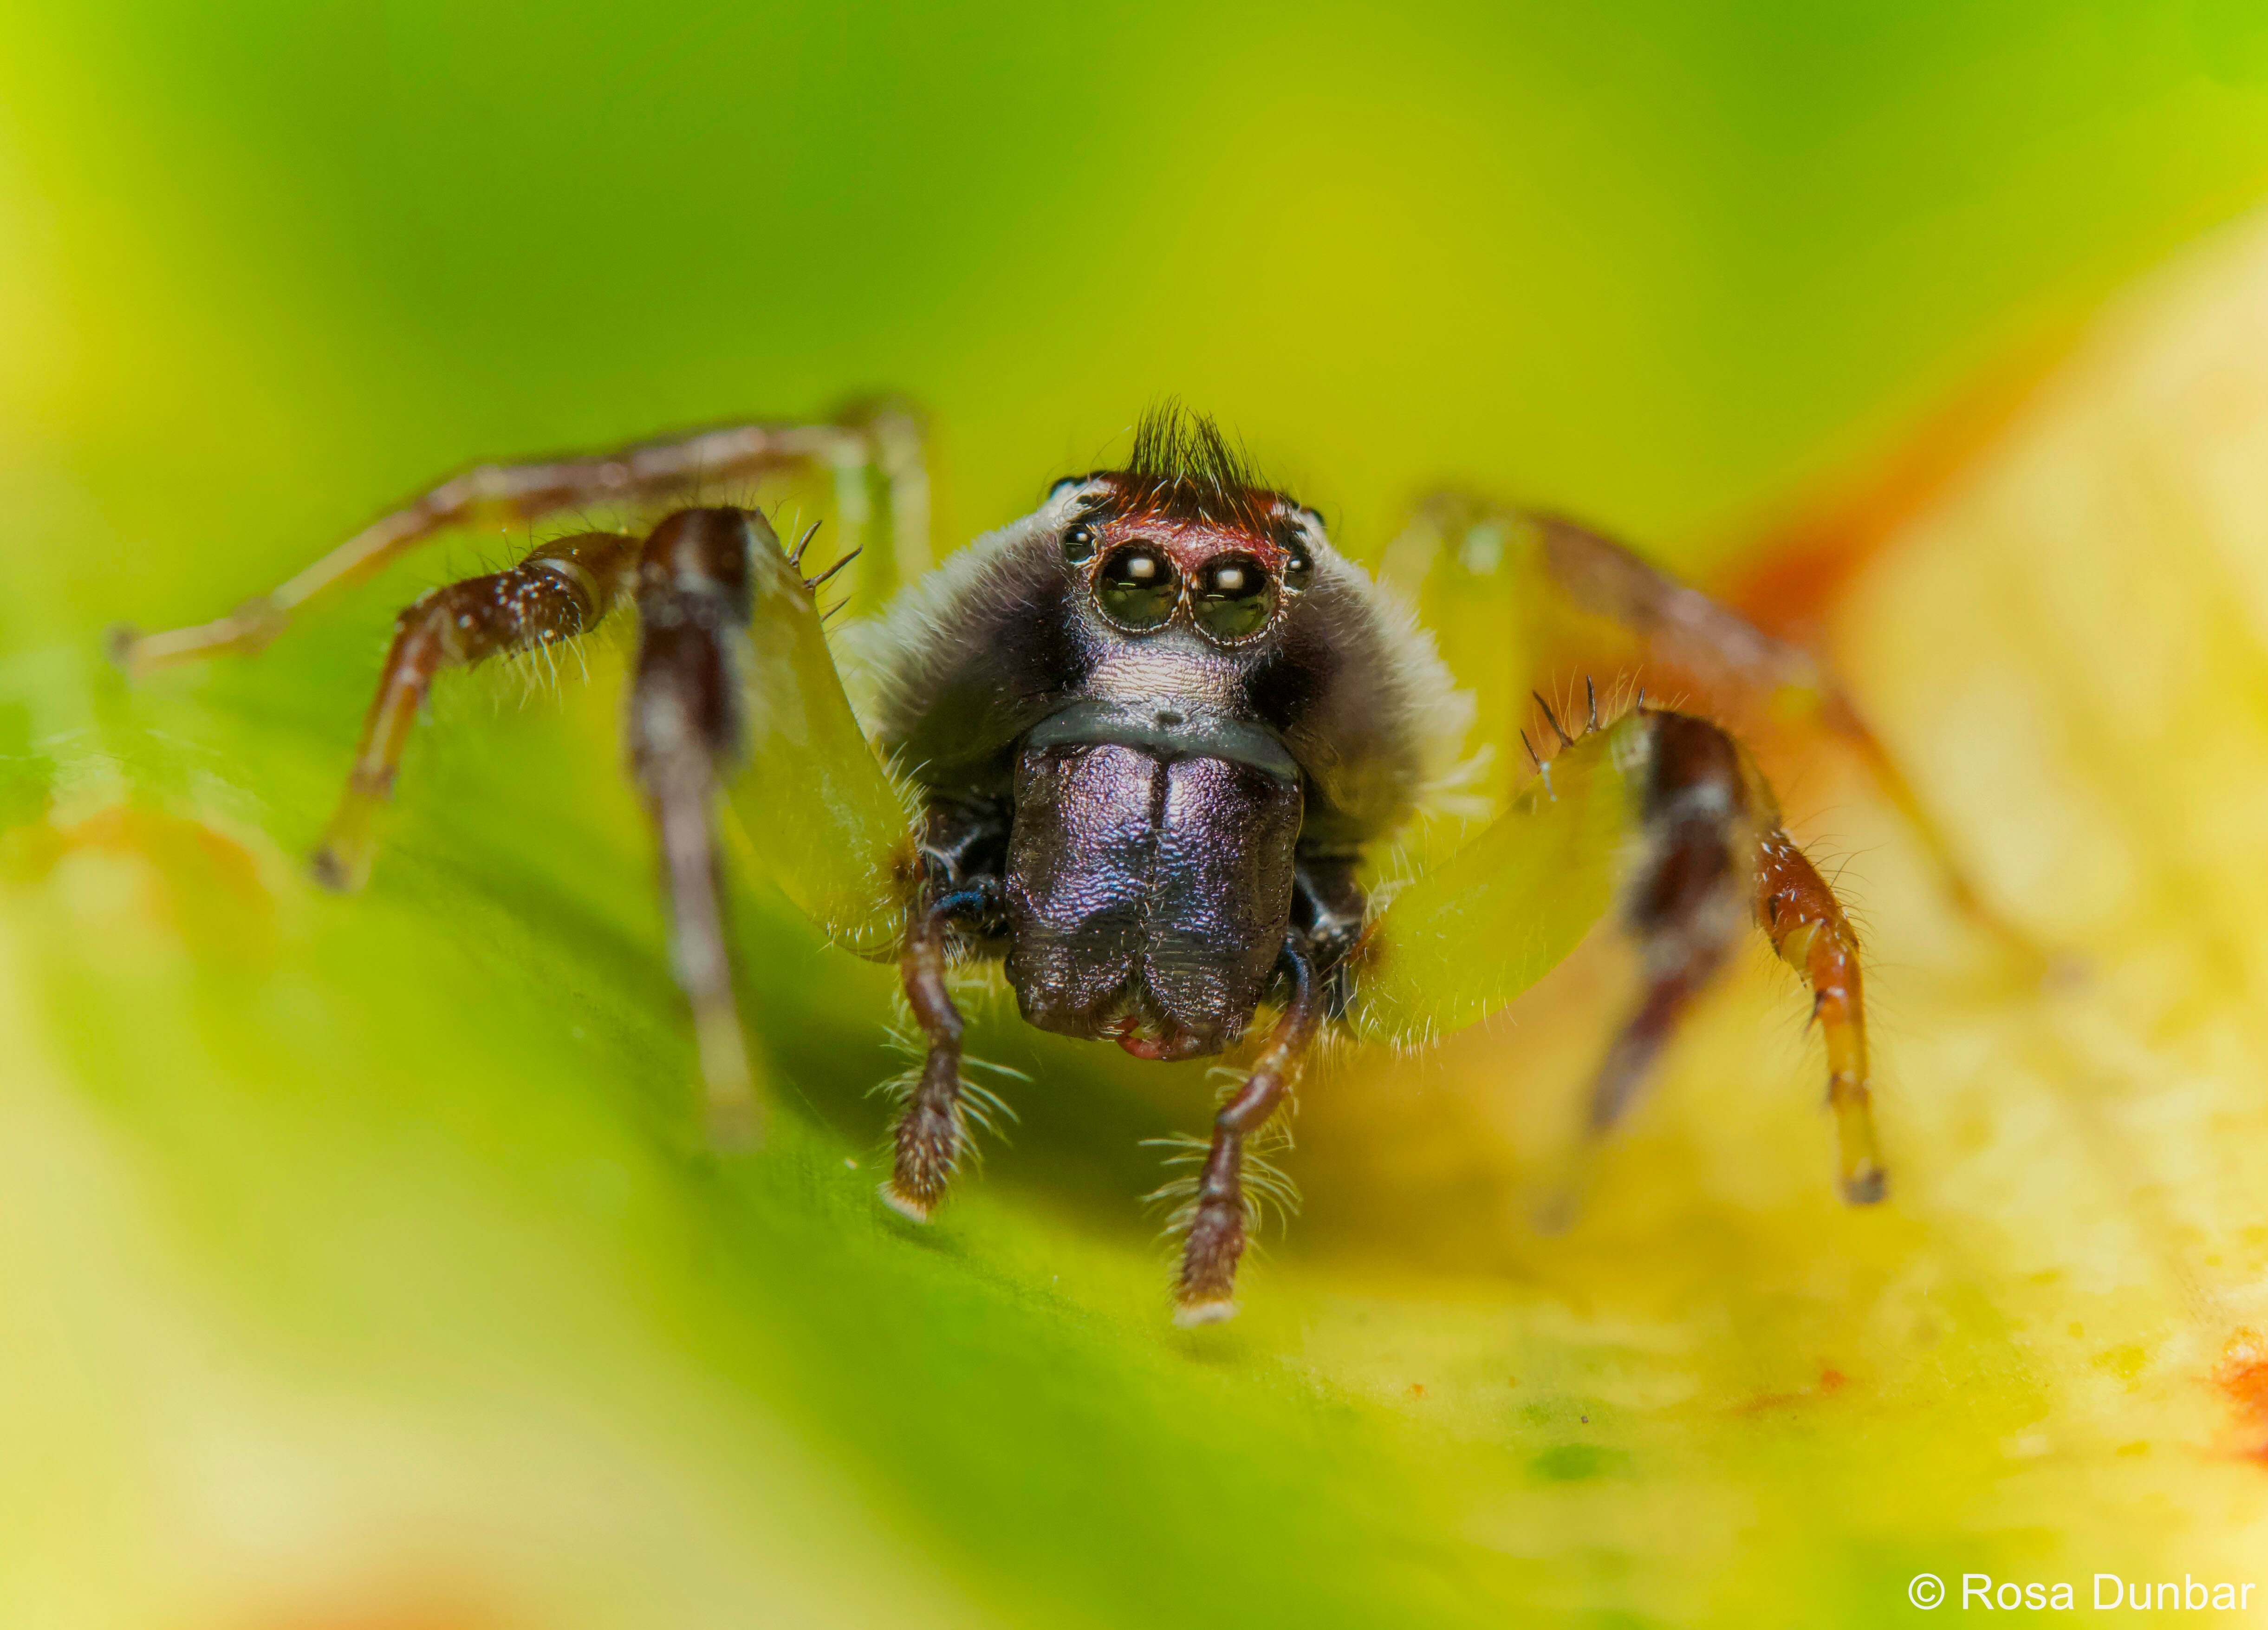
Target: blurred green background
[357,1271]
[266,266]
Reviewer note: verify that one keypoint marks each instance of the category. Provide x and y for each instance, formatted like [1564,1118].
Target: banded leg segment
[1205,1291]
[1795,906]
[687,725]
[737,716]
[1715,854]
[1686,903]
[1477,568]
[526,491]
[931,1135]
[1695,633]
[562,590]
[1661,820]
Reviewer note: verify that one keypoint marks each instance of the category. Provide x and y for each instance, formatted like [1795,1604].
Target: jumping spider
[1137,746]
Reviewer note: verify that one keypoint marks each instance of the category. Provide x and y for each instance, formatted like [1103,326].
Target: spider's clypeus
[1138,746]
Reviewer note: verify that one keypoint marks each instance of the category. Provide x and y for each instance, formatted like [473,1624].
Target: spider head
[1187,535]
[1156,812]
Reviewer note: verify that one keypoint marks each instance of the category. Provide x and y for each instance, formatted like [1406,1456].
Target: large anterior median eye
[1137,586]
[1234,597]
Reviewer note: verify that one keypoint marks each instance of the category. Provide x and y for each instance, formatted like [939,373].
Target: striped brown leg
[1713,854]
[687,731]
[932,1132]
[1686,628]
[1687,902]
[1205,1292]
[1800,912]
[1736,663]
[562,590]
[521,492]
[692,580]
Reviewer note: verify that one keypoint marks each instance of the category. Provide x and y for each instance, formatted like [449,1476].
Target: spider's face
[1146,571]
[1144,709]
[1150,866]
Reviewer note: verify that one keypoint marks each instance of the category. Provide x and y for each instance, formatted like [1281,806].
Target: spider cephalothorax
[1149,732]
[1157,720]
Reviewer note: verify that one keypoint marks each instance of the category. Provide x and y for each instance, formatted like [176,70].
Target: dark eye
[1234,597]
[1079,542]
[1299,568]
[1137,587]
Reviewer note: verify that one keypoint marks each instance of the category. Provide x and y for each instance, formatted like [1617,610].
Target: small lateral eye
[1299,566]
[1079,542]
[1137,587]
[1235,597]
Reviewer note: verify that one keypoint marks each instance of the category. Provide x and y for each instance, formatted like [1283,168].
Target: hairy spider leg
[525,490]
[735,706]
[737,721]
[562,590]
[686,728]
[1808,930]
[1703,637]
[1680,626]
[1660,819]
[1688,900]
[836,833]
[1205,1292]
[1714,854]
[929,1135]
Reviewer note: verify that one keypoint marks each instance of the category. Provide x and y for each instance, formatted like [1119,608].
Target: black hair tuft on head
[1184,466]
[1175,445]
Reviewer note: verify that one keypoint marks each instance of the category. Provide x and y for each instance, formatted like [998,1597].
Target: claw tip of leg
[731,1104]
[332,870]
[118,643]
[911,1209]
[1869,1187]
[1216,1310]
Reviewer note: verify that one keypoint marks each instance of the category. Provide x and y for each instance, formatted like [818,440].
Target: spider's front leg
[1204,1293]
[931,1133]
[1805,921]
[883,436]
[735,692]
[1496,581]
[561,591]
[1661,820]
[687,720]
[1712,855]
